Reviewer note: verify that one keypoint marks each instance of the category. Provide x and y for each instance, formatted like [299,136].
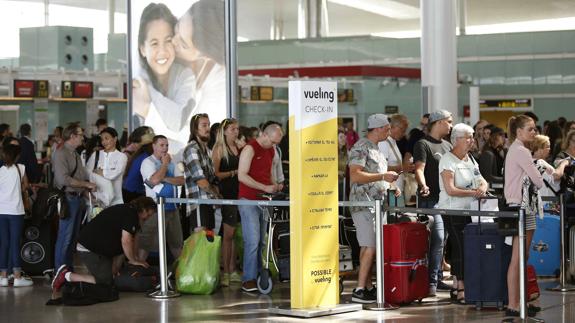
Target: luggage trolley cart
[274,216]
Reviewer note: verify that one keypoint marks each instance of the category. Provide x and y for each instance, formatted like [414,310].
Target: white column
[312,19]
[46,12]
[462,16]
[439,54]
[302,22]
[111,13]
[473,104]
[277,22]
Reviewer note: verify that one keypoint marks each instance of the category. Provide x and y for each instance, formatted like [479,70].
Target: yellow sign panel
[314,241]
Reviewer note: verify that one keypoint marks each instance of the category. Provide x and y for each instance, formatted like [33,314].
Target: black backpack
[81,293]
[136,279]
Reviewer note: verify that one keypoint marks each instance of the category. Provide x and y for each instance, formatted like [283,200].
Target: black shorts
[207,217]
[99,266]
[128,196]
[230,215]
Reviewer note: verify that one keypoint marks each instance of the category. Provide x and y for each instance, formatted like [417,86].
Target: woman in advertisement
[163,92]
[199,44]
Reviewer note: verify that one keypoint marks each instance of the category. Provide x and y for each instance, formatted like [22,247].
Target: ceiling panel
[255,16]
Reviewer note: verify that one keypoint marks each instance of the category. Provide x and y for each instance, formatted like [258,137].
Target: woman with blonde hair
[226,157]
[521,178]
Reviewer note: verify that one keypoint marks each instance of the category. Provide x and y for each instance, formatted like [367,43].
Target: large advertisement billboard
[177,58]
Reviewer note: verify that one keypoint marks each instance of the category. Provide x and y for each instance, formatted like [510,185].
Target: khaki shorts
[364,222]
[148,238]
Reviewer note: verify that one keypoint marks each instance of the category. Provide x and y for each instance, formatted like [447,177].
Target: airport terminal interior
[300,82]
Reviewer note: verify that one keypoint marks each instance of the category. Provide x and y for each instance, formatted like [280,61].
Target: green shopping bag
[198,270]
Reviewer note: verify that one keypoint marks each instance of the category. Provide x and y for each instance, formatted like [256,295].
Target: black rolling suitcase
[283,251]
[486,260]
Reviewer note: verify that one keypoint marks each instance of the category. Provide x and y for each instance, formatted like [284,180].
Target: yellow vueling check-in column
[314,245]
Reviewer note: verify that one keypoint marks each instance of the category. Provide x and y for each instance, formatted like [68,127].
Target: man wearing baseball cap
[426,155]
[368,173]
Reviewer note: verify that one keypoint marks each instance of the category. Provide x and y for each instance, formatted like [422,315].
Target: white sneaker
[23,282]
[3,281]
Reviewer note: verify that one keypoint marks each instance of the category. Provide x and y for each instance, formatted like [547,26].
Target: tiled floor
[231,305]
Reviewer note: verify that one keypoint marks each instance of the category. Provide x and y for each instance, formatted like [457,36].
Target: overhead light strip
[387,8]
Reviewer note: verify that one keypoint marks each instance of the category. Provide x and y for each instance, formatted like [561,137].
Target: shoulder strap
[472,159]
[392,147]
[551,188]
[19,174]
[96,160]
[63,189]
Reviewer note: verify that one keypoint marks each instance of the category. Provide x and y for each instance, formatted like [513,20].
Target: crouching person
[105,241]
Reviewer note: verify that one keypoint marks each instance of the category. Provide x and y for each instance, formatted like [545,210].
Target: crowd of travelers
[436,165]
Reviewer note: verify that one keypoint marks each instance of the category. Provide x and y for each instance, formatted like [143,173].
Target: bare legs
[228,249]
[366,257]
[513,271]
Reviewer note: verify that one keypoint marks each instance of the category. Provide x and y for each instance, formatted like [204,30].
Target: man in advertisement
[368,173]
[256,177]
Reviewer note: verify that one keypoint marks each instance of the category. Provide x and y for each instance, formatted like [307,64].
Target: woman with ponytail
[521,175]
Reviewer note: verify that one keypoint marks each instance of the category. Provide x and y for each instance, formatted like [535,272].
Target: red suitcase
[532,286]
[405,258]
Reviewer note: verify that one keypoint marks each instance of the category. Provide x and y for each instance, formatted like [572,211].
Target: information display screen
[345,95]
[505,103]
[77,90]
[31,88]
[24,88]
[83,90]
[266,93]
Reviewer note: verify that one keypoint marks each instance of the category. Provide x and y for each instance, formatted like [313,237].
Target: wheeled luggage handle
[479,199]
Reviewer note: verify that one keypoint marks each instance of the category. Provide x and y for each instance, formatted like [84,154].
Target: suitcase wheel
[340,285]
[420,300]
[500,306]
[478,306]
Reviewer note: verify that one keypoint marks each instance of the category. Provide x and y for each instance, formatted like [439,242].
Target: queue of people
[125,181]
[445,164]
[454,166]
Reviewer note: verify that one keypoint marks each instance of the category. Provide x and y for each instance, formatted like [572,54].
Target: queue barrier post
[164,292]
[563,285]
[381,304]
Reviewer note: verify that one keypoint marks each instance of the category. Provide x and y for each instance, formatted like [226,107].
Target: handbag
[25,196]
[507,226]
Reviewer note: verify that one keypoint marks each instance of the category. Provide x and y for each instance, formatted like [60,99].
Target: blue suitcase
[486,259]
[545,248]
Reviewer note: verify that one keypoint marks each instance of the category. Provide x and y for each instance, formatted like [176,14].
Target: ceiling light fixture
[509,27]
[388,8]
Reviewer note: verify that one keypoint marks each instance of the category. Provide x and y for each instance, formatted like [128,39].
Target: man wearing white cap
[368,173]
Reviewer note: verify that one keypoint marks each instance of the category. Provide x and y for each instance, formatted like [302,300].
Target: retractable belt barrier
[164,292]
[503,214]
[380,211]
[563,286]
